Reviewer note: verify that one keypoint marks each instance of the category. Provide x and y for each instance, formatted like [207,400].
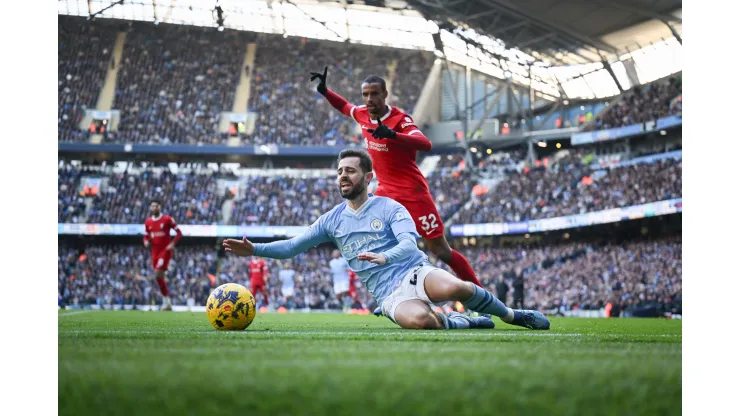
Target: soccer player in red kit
[392,139]
[157,235]
[257,273]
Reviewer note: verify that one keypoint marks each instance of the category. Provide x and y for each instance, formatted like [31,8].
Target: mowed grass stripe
[158,363]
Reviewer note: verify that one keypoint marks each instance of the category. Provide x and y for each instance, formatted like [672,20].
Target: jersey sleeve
[400,220]
[408,133]
[407,125]
[315,235]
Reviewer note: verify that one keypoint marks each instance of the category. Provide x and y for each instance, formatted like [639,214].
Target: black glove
[382,132]
[321,88]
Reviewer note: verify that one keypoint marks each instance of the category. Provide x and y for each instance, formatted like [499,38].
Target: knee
[427,320]
[457,290]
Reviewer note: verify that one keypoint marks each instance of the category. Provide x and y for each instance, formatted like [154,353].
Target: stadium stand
[641,276]
[569,189]
[641,104]
[84,54]
[121,274]
[174,82]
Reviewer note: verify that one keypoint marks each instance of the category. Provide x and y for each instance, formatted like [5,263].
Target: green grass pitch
[138,363]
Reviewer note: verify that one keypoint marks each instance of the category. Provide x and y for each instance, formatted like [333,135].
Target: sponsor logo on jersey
[351,247]
[404,125]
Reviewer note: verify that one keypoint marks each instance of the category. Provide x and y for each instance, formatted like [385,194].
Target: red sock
[163,286]
[462,269]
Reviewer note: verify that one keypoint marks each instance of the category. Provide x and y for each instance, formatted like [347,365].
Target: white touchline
[73,313]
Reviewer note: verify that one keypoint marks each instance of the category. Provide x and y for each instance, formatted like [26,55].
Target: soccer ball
[231,306]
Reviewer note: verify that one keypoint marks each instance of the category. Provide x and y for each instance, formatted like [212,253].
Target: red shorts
[424,213]
[161,259]
[258,287]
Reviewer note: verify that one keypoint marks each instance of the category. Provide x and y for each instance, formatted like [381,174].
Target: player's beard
[353,192]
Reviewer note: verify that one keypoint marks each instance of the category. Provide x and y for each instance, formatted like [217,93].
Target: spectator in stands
[641,104]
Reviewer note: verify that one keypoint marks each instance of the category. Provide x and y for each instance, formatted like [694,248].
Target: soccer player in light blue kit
[377,237]
[340,277]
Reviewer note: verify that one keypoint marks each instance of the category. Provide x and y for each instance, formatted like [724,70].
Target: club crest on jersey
[161,225]
[376,224]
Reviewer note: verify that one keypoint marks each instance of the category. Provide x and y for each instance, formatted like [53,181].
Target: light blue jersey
[376,227]
[286,278]
[339,268]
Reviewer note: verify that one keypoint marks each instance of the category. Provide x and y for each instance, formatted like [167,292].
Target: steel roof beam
[515,11]
[638,10]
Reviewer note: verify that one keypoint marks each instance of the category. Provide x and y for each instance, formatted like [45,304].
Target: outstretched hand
[241,247]
[373,257]
[382,132]
[321,87]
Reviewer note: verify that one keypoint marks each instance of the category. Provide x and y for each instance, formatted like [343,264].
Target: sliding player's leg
[439,285]
[409,307]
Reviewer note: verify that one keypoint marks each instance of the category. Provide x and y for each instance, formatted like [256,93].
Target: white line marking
[399,333]
[72,313]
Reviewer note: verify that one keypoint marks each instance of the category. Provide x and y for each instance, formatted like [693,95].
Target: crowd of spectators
[84,53]
[450,185]
[121,275]
[174,82]
[289,110]
[640,278]
[569,189]
[196,198]
[190,198]
[642,104]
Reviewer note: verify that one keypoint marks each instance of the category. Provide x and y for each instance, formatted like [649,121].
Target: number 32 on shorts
[428,223]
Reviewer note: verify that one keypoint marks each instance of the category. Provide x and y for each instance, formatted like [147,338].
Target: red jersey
[394,160]
[158,232]
[257,271]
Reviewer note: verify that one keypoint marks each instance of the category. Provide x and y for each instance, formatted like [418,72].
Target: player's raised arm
[284,249]
[336,100]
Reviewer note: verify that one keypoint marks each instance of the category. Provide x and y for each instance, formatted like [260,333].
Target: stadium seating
[570,189]
[634,276]
[121,274]
[641,104]
[174,81]
[84,55]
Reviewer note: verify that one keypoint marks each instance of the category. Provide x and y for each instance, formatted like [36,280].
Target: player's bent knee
[427,320]
[416,315]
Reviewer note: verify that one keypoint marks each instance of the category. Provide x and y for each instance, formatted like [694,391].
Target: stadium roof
[565,31]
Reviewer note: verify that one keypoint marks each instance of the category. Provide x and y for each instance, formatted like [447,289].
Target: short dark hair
[155,201]
[366,163]
[374,79]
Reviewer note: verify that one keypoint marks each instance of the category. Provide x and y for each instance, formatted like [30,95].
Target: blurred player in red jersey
[257,273]
[353,279]
[392,139]
[157,235]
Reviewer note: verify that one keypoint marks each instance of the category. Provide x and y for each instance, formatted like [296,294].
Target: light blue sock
[454,322]
[483,301]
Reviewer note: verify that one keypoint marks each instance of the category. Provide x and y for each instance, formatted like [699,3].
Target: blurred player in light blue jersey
[340,276]
[377,237]
[287,281]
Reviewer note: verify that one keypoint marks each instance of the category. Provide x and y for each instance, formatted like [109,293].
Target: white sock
[509,316]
